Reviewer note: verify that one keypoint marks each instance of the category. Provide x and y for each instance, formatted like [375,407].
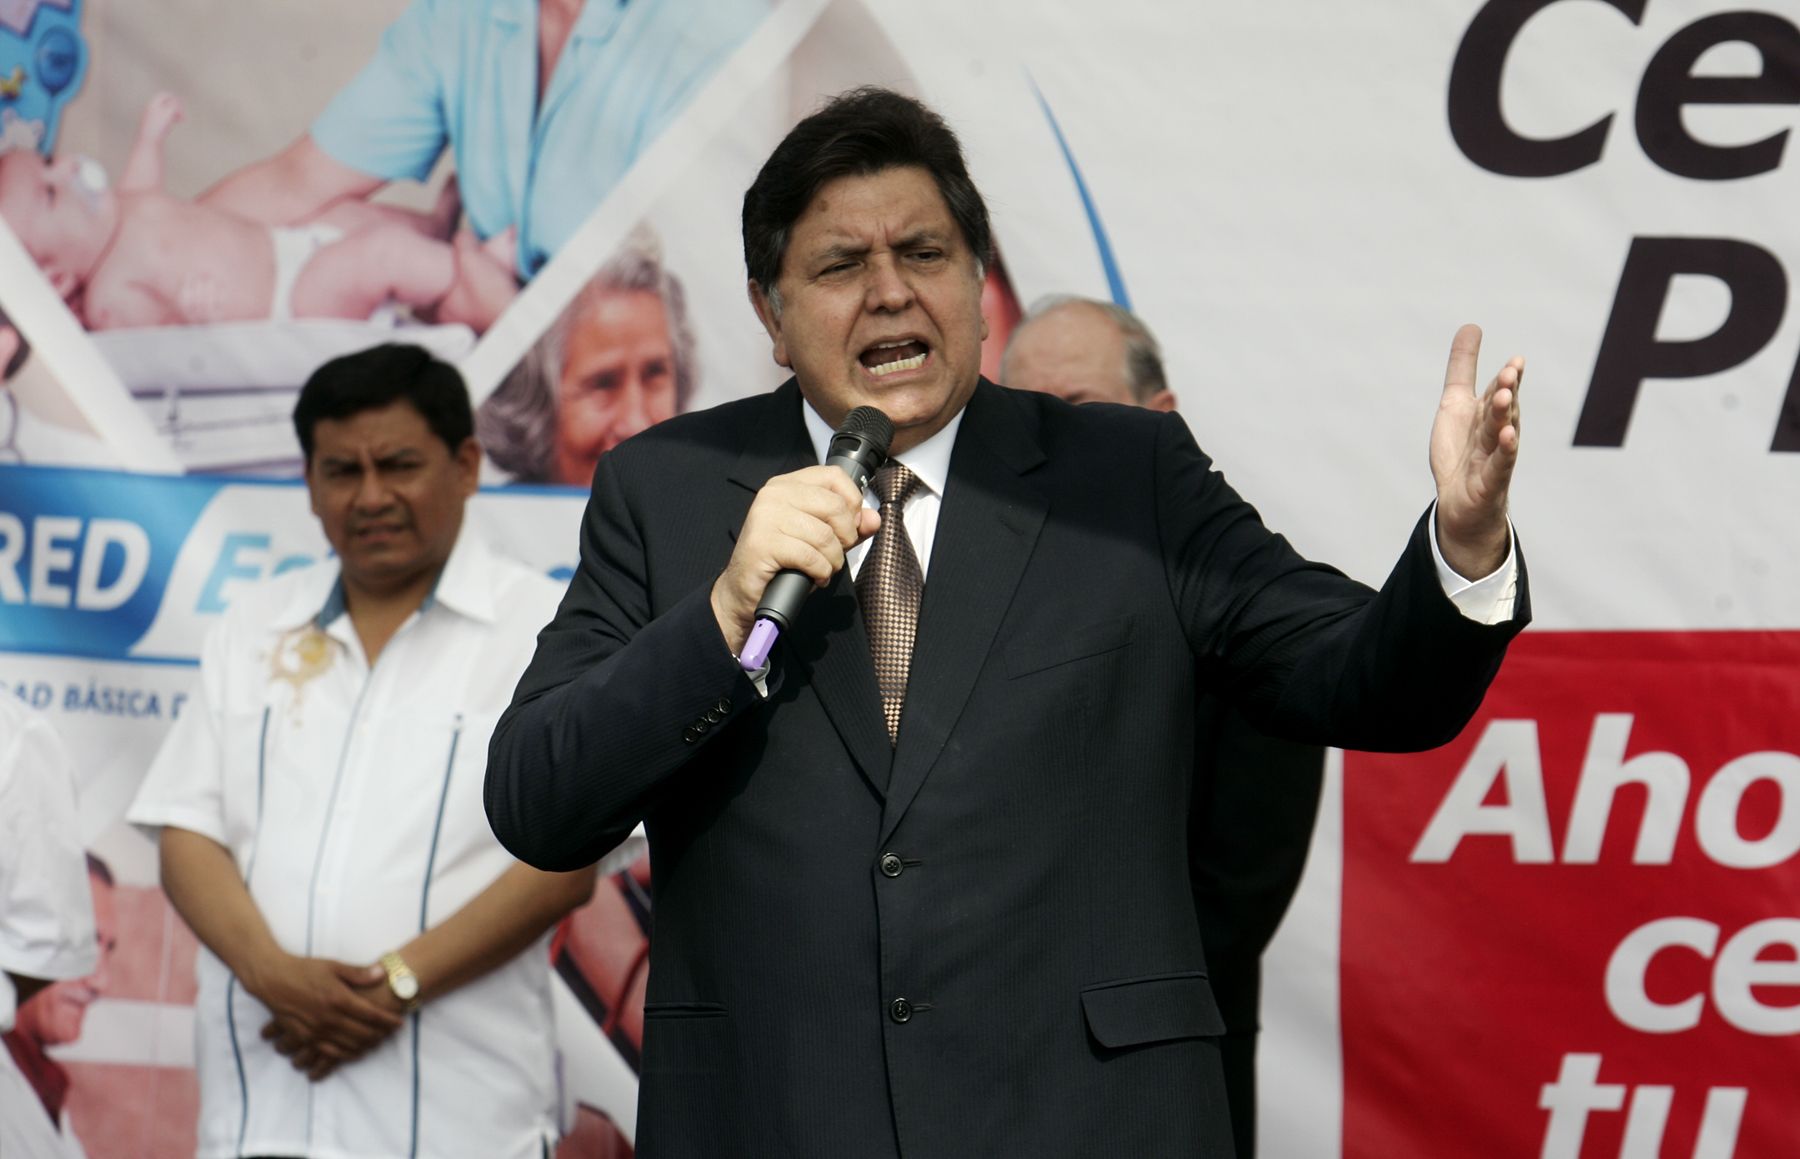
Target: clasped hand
[324,1013]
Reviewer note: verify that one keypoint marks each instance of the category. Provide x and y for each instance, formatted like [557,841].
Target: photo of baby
[134,255]
[347,174]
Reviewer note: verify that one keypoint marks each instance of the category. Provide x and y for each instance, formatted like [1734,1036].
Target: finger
[821,535]
[841,484]
[798,555]
[344,1045]
[1504,418]
[341,1038]
[1516,421]
[822,492]
[868,522]
[1465,352]
[824,479]
[844,524]
[358,975]
[306,1061]
[366,1013]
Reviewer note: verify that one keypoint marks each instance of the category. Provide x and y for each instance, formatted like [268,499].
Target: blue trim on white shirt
[437,828]
[237,1054]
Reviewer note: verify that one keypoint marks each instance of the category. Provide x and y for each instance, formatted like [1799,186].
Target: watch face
[406,987]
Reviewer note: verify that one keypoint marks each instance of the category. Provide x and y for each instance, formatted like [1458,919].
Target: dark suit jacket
[1024,975]
[1255,800]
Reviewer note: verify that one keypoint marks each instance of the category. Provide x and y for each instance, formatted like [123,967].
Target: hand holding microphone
[795,536]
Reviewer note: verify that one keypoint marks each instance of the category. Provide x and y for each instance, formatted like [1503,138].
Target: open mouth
[885,358]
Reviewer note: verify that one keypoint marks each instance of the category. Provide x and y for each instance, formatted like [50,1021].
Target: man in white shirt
[376,979]
[47,928]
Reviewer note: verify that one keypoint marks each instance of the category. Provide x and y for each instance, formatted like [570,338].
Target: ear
[1162,400]
[765,313]
[312,490]
[468,466]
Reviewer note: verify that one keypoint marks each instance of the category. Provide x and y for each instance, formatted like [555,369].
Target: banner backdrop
[1570,933]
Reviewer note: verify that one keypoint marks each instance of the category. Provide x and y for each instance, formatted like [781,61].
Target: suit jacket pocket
[686,1038]
[1135,1011]
[1035,653]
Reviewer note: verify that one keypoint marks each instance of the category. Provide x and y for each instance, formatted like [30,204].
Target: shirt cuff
[1488,600]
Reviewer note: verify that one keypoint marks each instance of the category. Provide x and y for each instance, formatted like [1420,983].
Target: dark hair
[857,133]
[373,378]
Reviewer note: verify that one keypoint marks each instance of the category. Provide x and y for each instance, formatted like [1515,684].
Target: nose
[101,979]
[371,489]
[888,289]
[632,414]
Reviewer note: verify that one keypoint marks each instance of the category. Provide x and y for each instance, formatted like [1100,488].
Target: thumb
[868,522]
[359,975]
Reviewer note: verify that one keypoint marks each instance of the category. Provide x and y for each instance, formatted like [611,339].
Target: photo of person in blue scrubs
[542,106]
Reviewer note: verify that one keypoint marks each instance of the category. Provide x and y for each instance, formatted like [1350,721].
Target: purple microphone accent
[756,648]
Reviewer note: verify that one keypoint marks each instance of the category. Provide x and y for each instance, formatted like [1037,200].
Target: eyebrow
[926,236]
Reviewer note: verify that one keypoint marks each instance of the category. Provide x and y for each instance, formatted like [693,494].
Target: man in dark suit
[1255,796]
[921,882]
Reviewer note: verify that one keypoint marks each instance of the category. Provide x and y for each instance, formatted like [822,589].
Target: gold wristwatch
[401,980]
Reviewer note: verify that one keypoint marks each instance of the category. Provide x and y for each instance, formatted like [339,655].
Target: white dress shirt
[351,798]
[46,908]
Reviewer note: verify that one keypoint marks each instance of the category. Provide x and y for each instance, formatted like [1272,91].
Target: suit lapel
[986,530]
[827,646]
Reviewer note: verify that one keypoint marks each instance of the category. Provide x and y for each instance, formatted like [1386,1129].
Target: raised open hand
[1474,446]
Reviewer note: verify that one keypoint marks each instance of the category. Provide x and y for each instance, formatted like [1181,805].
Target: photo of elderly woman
[618,359]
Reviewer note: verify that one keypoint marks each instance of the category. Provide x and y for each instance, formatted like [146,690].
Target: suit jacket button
[691,733]
[724,705]
[891,864]
[900,1010]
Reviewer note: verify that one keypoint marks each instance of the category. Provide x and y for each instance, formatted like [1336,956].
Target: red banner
[1576,931]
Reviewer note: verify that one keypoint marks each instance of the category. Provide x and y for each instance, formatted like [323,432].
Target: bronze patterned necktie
[889,588]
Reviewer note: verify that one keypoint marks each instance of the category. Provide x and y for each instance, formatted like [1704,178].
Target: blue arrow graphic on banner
[1115,282]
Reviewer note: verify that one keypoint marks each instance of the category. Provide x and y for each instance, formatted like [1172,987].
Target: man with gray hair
[1255,797]
[618,359]
[1093,352]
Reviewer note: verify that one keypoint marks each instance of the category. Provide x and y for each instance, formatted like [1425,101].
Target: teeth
[912,363]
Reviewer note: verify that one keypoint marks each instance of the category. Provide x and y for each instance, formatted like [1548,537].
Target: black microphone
[859,448]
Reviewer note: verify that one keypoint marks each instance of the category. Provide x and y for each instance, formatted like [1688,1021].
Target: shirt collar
[597,19]
[930,460]
[465,586]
